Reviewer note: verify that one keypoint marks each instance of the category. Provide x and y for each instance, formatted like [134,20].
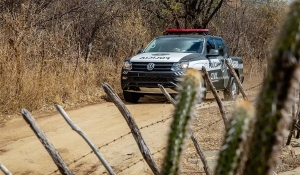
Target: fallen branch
[85,137]
[62,167]
[133,127]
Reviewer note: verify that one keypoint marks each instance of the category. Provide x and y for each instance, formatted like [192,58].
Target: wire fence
[124,135]
[150,125]
[197,130]
[160,150]
[253,87]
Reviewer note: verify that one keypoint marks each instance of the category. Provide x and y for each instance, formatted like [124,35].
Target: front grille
[154,85]
[151,79]
[158,66]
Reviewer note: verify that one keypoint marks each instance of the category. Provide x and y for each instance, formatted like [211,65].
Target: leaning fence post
[62,167]
[4,169]
[190,92]
[202,156]
[85,137]
[237,80]
[214,91]
[196,144]
[167,95]
[133,127]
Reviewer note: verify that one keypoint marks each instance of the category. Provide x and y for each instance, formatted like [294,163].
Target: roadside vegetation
[61,51]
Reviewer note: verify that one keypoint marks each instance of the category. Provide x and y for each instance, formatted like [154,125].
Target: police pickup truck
[167,58]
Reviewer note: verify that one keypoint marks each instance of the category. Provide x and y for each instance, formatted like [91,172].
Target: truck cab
[167,57]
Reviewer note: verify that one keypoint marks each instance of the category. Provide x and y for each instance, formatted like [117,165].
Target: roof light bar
[186,31]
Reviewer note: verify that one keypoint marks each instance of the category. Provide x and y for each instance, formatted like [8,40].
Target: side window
[220,46]
[210,44]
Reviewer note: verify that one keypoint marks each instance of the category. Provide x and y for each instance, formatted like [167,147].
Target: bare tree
[185,13]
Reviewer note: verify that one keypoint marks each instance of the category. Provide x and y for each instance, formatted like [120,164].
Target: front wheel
[131,97]
[232,92]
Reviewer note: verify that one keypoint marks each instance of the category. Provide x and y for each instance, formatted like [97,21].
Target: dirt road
[22,153]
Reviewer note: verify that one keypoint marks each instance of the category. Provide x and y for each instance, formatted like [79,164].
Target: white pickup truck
[167,58]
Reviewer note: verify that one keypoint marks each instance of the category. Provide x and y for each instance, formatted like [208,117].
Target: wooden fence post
[133,127]
[196,144]
[167,95]
[237,80]
[202,156]
[85,137]
[214,91]
[4,169]
[62,167]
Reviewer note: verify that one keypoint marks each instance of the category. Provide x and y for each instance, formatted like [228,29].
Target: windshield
[176,44]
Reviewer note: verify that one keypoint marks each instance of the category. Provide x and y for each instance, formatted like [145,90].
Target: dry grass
[37,86]
[41,67]
[38,61]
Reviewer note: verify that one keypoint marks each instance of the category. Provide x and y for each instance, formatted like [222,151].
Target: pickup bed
[167,58]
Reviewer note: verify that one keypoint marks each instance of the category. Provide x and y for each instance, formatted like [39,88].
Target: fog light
[124,78]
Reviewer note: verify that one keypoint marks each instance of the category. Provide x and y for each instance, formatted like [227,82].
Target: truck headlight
[127,65]
[184,65]
[180,66]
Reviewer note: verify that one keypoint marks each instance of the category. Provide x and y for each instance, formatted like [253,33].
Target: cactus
[186,101]
[236,134]
[256,153]
[274,98]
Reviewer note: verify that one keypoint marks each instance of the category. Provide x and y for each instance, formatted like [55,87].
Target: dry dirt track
[22,153]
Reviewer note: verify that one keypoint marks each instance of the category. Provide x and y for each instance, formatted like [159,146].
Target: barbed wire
[205,104]
[147,126]
[188,172]
[210,124]
[115,140]
[154,153]
[140,160]
[253,87]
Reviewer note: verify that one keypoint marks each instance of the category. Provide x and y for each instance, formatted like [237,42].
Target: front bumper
[147,81]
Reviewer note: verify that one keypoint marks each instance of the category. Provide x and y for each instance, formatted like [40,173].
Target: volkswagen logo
[150,66]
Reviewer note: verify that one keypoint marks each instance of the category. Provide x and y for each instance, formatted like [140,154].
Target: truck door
[223,55]
[214,65]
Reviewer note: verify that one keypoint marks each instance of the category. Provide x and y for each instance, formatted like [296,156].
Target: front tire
[232,92]
[131,97]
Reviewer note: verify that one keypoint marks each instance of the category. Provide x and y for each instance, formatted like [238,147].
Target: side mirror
[213,52]
[140,51]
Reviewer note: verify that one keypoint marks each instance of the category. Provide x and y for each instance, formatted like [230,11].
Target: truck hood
[163,57]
